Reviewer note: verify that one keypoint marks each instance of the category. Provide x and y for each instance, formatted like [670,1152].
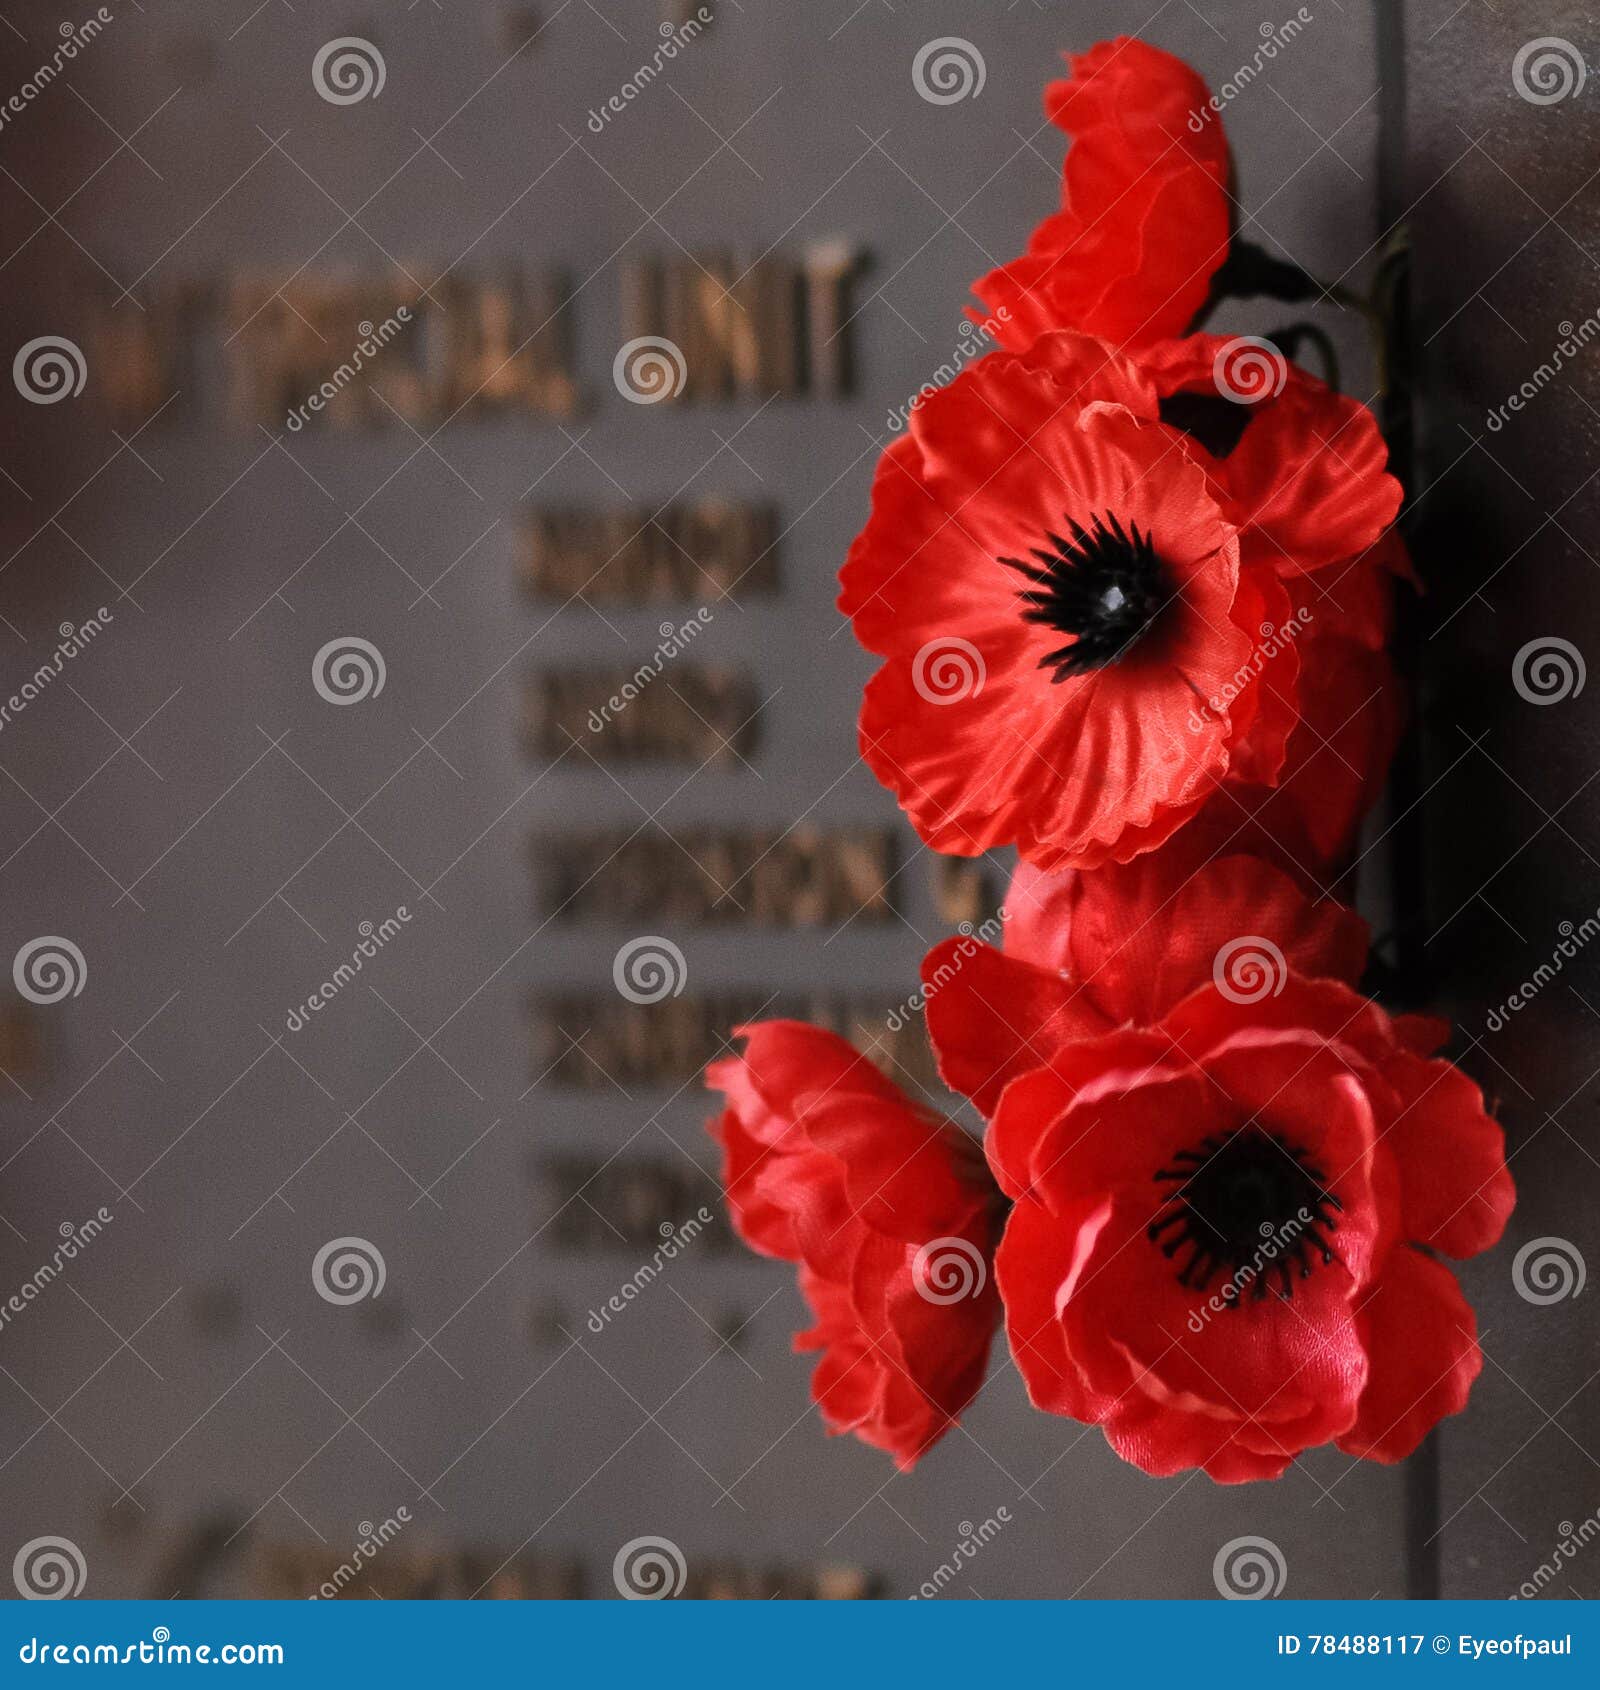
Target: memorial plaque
[701,551]
[770,877]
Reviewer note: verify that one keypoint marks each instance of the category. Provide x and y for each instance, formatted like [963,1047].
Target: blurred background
[374,936]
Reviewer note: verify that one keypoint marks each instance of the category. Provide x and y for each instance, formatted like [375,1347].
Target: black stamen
[1249,1205]
[1105,586]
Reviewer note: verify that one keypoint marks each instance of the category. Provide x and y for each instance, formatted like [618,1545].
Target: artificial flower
[1144,221]
[1301,466]
[1087,952]
[1054,587]
[1222,1250]
[891,1216]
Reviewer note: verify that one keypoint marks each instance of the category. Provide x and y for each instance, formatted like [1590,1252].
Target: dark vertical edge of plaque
[1422,1471]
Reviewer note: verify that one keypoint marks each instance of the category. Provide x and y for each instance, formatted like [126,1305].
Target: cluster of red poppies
[1132,591]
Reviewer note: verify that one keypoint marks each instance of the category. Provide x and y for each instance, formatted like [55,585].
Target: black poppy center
[1249,1206]
[1105,586]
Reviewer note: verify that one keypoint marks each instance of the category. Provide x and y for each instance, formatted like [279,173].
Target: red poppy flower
[1054,587]
[1301,467]
[1145,218]
[1221,1245]
[891,1216]
[1087,952]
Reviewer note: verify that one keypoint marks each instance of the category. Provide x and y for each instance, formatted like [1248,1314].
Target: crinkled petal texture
[1300,471]
[1141,1293]
[889,1213]
[1145,219]
[971,721]
[1301,468]
[1089,950]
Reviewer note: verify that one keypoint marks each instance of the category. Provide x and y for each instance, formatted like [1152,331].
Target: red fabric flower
[1221,1247]
[1300,466]
[1120,946]
[891,1216]
[1145,216]
[1101,586]
[1054,587]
